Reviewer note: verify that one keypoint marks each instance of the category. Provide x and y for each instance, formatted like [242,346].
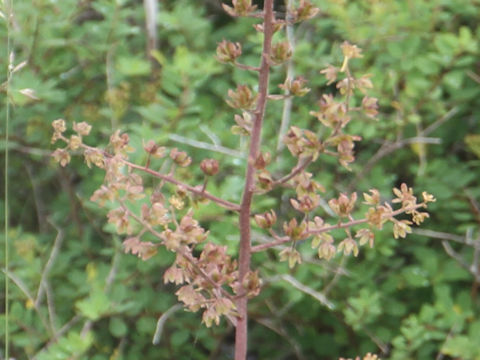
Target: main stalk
[245,210]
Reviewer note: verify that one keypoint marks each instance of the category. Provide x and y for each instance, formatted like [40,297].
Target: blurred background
[75,295]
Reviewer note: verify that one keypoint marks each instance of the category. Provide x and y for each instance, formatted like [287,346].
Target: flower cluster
[209,278]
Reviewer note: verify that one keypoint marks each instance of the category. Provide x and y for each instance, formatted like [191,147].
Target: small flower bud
[228,52]
[244,124]
[305,11]
[180,157]
[266,220]
[280,53]
[292,255]
[209,167]
[330,73]
[82,129]
[75,142]
[262,161]
[343,206]
[153,149]
[59,125]
[295,87]
[240,8]
[94,157]
[294,230]
[242,98]
[61,156]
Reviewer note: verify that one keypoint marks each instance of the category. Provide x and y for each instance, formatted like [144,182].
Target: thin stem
[245,209]
[287,105]
[8,13]
[51,260]
[169,178]
[301,165]
[196,190]
[246,67]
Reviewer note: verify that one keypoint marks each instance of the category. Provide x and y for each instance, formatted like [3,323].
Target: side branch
[285,239]
[180,251]
[301,165]
[196,190]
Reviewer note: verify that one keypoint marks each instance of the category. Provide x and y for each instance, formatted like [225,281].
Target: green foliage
[403,299]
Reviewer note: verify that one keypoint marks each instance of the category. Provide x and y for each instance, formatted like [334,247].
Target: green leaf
[95,306]
[132,66]
[117,327]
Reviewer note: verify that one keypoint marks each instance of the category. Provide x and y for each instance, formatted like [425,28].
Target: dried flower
[209,167]
[344,205]
[405,196]
[82,129]
[242,98]
[401,228]
[61,156]
[305,10]
[349,52]
[291,255]
[143,249]
[228,52]
[262,161]
[331,73]
[180,157]
[348,245]
[373,199]
[266,220]
[240,8]
[94,156]
[280,53]
[324,242]
[59,125]
[306,203]
[295,87]
[244,124]
[294,230]
[154,150]
[365,236]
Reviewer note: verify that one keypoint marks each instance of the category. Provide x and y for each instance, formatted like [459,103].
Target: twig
[388,148]
[450,113]
[157,336]
[21,285]
[206,146]
[269,324]
[440,235]
[246,67]
[52,317]
[301,165]
[336,277]
[320,297]
[51,260]
[461,261]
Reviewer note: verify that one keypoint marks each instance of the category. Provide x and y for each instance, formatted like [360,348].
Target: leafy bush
[413,298]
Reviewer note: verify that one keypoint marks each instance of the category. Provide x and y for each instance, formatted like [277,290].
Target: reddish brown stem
[245,207]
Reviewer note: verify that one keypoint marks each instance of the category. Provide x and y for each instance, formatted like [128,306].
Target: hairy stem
[245,208]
